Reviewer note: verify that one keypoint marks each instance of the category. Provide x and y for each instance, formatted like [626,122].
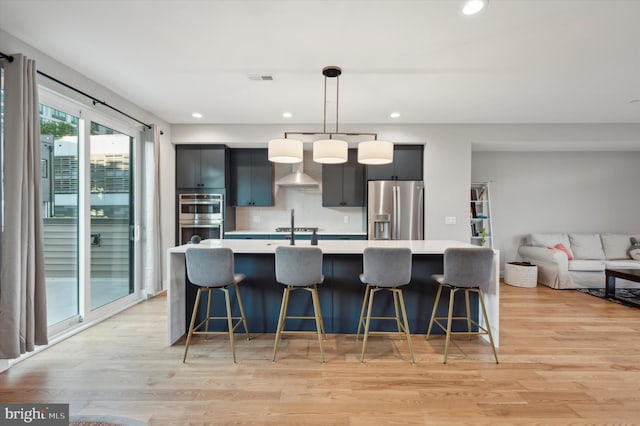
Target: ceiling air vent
[260,77]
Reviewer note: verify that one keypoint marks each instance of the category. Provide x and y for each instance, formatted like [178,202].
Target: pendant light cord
[324,122]
[337,99]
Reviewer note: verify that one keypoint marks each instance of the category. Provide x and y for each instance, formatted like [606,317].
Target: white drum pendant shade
[375,152]
[330,151]
[285,151]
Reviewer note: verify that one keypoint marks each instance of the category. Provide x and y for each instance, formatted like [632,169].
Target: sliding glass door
[88,204]
[111,211]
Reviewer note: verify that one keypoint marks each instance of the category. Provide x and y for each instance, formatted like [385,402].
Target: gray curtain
[152,225]
[23,307]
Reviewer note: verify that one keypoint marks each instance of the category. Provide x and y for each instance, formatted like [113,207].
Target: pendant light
[375,153]
[284,151]
[330,150]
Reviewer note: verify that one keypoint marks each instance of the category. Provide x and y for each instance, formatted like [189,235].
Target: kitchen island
[340,294]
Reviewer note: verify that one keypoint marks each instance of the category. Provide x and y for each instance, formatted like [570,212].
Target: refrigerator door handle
[399,213]
[396,213]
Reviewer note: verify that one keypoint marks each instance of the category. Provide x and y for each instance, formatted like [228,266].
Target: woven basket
[521,275]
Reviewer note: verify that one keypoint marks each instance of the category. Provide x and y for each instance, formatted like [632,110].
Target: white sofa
[592,253]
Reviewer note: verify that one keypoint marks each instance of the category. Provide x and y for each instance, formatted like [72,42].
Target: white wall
[447,174]
[559,192]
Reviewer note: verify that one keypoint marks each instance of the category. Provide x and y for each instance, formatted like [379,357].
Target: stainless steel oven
[200,214]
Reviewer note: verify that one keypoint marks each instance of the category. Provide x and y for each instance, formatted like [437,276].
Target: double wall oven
[200,214]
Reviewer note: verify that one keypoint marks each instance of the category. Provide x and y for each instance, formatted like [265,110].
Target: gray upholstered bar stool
[210,269]
[299,268]
[385,269]
[467,269]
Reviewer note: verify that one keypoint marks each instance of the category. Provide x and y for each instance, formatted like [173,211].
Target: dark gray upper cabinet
[251,178]
[407,165]
[343,184]
[200,166]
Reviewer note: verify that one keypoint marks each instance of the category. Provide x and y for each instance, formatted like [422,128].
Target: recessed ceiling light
[287,115]
[471,7]
[196,115]
[394,115]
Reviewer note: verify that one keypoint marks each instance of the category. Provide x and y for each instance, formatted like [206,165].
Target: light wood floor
[566,359]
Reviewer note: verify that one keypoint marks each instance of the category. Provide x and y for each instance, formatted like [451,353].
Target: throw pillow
[562,248]
[634,250]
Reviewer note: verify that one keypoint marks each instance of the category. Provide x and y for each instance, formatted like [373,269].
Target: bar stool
[467,269]
[299,268]
[210,269]
[385,269]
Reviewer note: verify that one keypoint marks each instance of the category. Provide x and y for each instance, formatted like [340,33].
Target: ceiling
[524,61]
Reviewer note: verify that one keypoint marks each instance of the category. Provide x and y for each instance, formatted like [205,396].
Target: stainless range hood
[297,178]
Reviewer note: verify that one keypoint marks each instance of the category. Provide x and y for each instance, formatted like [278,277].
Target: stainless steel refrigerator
[395,210]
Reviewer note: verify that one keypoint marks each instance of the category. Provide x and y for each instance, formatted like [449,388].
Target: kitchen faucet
[292,241]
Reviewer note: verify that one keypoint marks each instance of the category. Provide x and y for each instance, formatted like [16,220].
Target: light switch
[346,219]
[449,220]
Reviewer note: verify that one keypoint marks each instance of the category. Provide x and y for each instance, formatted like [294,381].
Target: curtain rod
[94,99]
[7,57]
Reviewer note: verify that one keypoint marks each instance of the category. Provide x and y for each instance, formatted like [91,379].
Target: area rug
[628,295]
[104,421]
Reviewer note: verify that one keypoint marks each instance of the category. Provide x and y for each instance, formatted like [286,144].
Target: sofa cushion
[586,265]
[616,246]
[548,240]
[586,246]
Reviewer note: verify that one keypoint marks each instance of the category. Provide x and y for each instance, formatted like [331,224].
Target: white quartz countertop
[251,232]
[327,246]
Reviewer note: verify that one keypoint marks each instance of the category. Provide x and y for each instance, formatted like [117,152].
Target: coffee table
[610,281]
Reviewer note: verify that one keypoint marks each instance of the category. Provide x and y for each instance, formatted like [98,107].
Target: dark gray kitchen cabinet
[251,178]
[343,184]
[200,166]
[406,165]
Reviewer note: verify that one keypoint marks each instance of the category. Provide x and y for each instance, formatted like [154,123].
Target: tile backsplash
[307,203]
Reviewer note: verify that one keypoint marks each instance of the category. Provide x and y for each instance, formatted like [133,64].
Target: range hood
[297,178]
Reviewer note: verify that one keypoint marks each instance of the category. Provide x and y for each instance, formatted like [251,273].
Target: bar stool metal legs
[365,302]
[482,330]
[196,329]
[317,316]
[402,325]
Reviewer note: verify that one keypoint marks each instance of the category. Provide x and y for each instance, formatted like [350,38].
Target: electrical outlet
[346,219]
[256,219]
[449,220]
